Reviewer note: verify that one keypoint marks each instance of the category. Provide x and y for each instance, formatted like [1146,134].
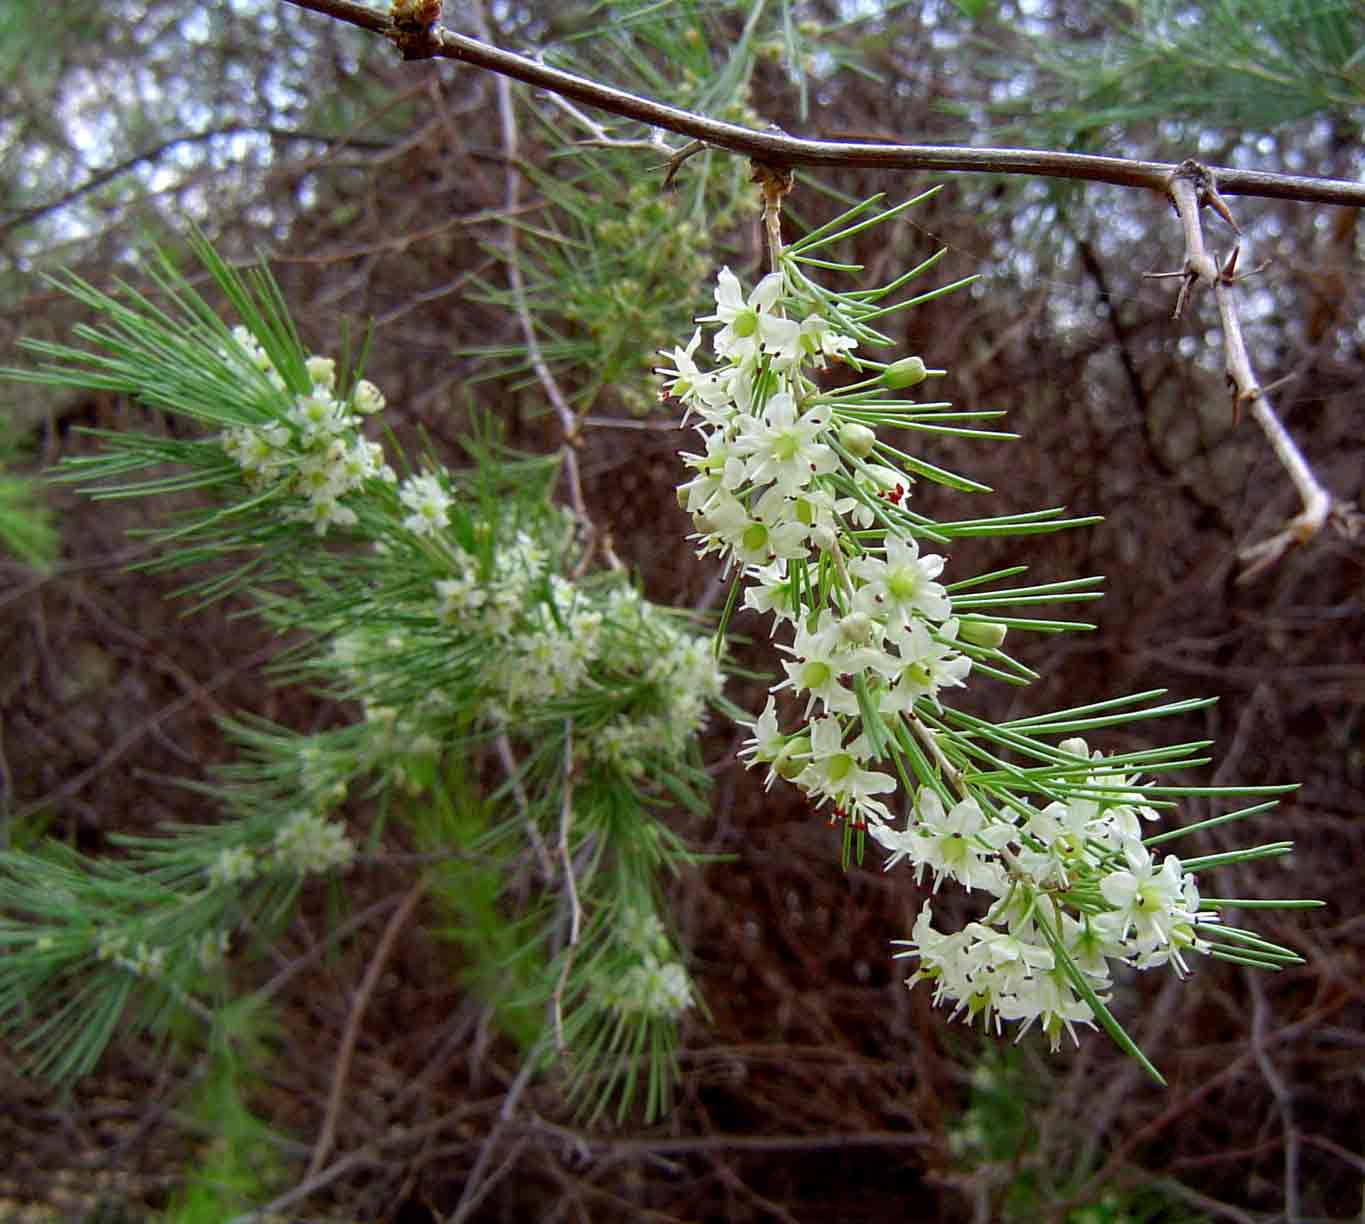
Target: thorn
[1209,195]
[675,162]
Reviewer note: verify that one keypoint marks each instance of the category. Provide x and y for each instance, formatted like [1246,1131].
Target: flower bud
[794,758]
[856,628]
[367,399]
[907,372]
[857,439]
[322,370]
[990,634]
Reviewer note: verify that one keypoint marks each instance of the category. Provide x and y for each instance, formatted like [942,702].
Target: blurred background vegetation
[819,1088]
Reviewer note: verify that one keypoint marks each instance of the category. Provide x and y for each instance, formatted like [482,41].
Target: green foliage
[241,1164]
[1236,63]
[27,529]
[503,956]
[440,604]
[611,265]
[998,1141]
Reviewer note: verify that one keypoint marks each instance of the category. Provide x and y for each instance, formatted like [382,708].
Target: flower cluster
[656,984]
[534,645]
[141,959]
[314,449]
[306,842]
[781,484]
[1115,903]
[794,488]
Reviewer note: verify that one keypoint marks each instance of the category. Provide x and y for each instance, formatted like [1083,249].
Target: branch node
[774,180]
[413,28]
[1205,184]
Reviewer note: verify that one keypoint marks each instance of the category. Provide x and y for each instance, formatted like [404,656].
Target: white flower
[924,664]
[146,961]
[692,385]
[836,773]
[944,959]
[322,473]
[308,843]
[1048,997]
[902,584]
[641,930]
[651,989]
[324,512]
[958,844]
[233,865]
[429,503]
[319,415]
[1149,900]
[768,744]
[721,468]
[821,658]
[750,324]
[362,460]
[263,453]
[821,341]
[882,484]
[783,447]
[756,536]
[770,592]
[460,597]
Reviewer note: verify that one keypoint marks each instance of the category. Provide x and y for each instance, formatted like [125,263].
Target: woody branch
[420,39]
[1191,187]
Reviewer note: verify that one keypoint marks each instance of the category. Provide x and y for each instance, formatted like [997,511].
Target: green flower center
[918,675]
[755,537]
[839,767]
[815,674]
[785,446]
[745,323]
[901,585]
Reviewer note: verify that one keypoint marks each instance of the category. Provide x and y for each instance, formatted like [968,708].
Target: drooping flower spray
[798,489]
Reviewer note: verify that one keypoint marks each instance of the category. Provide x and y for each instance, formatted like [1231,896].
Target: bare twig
[568,418]
[126,742]
[1192,186]
[477,1185]
[571,886]
[1279,1090]
[513,772]
[157,152]
[776,148]
[365,1156]
[352,1031]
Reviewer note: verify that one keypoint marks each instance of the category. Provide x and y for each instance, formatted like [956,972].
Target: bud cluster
[314,450]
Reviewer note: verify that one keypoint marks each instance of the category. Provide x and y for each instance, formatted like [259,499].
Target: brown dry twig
[352,1032]
[778,148]
[571,889]
[1191,187]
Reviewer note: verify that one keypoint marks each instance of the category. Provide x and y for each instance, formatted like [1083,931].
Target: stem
[779,149]
[1191,187]
[571,887]
[568,419]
